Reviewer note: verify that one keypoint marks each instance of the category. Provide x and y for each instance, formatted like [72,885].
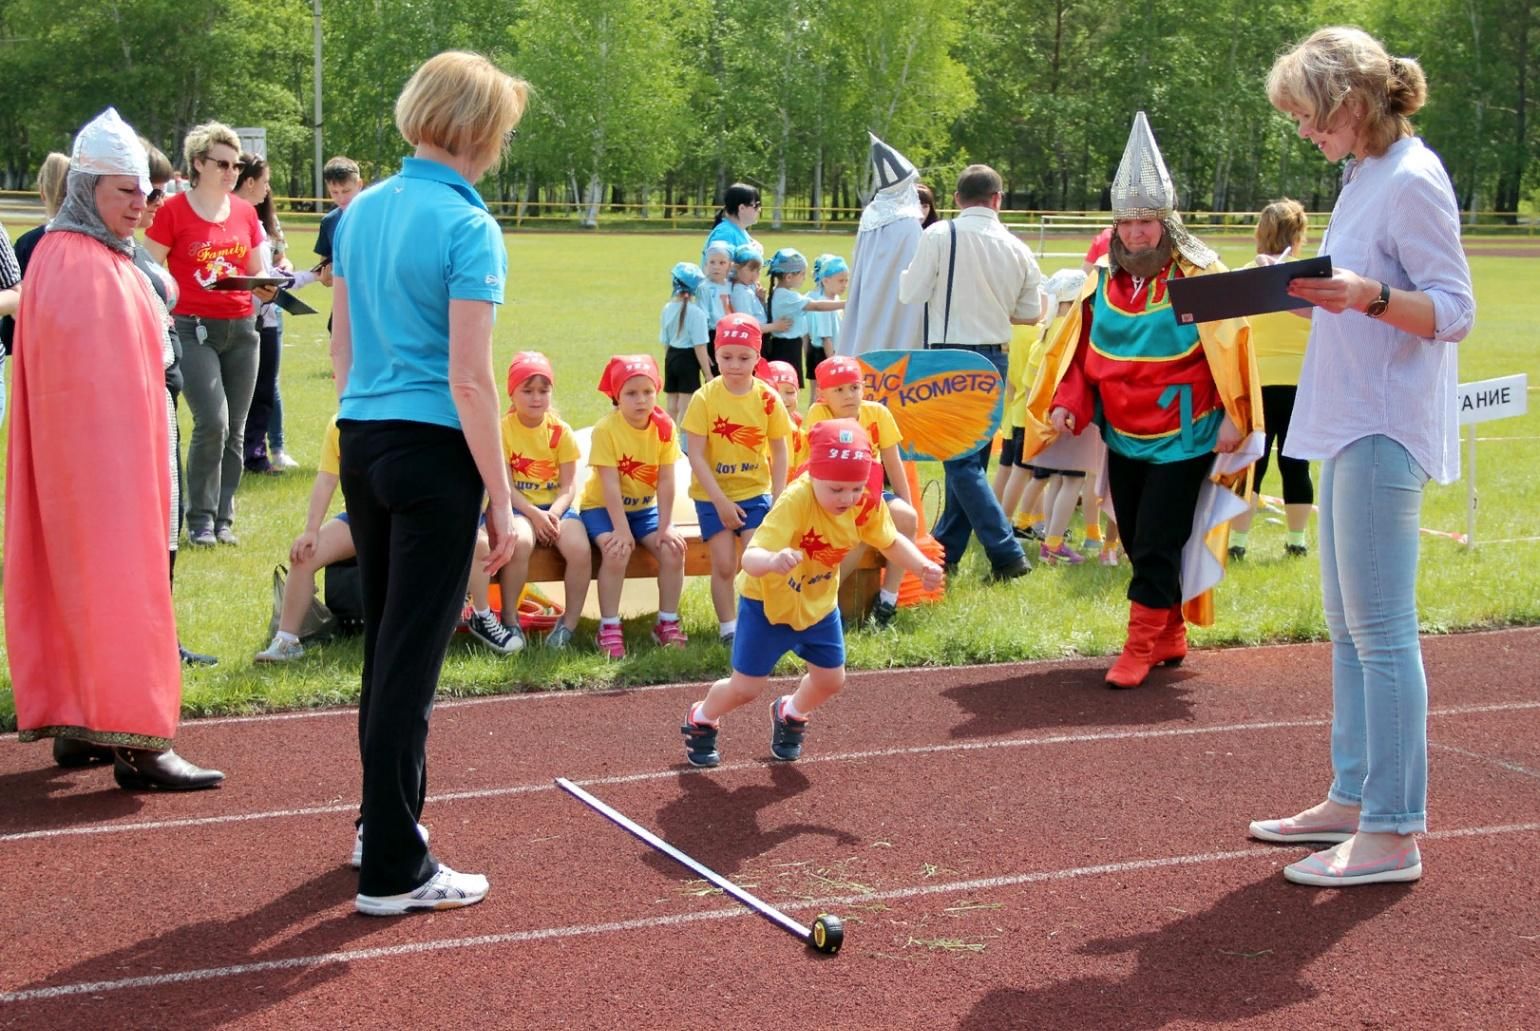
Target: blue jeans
[1371,498]
[971,507]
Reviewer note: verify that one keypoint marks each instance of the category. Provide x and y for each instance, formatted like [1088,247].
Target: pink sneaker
[1063,553]
[1326,870]
[1109,556]
[612,643]
[668,634]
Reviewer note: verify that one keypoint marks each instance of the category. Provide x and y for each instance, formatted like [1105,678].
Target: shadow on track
[1067,699]
[1241,960]
[50,797]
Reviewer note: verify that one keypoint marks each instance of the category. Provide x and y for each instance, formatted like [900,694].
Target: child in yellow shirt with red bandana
[789,590]
[840,390]
[732,425]
[783,377]
[628,501]
[542,454]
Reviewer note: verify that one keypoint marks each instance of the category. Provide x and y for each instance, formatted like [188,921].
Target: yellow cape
[1231,361]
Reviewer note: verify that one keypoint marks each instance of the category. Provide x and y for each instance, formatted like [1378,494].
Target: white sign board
[1489,399]
[253,141]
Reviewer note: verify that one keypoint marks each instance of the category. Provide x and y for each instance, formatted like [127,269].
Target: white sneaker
[444,890]
[489,630]
[280,650]
[356,860]
[281,460]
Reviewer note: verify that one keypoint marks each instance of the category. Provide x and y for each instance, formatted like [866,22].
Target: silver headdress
[108,146]
[893,184]
[1142,189]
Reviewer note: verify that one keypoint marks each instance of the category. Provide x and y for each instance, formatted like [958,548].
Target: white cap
[109,146]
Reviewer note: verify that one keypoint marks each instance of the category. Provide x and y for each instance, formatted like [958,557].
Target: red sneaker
[612,643]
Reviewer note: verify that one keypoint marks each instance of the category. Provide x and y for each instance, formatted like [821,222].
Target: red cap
[838,371]
[776,373]
[839,450]
[526,364]
[627,366]
[739,330]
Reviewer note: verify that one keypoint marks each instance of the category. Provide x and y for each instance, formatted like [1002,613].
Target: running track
[1009,846]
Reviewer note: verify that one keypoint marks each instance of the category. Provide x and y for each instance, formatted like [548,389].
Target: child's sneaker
[1063,553]
[668,634]
[883,613]
[611,642]
[1109,556]
[489,630]
[559,637]
[785,732]
[280,650]
[700,741]
[1295,550]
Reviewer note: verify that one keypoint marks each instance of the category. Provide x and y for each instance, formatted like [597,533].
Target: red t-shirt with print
[203,252]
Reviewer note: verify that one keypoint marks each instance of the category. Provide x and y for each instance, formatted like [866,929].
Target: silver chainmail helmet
[1142,189]
[894,188]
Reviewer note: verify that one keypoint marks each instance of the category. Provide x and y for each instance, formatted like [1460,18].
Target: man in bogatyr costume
[1166,397]
[885,243]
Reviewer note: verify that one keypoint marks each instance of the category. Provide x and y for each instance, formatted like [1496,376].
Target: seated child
[790,591]
[319,546]
[542,453]
[629,498]
[732,423]
[839,397]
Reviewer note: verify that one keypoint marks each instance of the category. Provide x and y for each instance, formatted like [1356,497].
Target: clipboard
[247,282]
[292,304]
[1247,291]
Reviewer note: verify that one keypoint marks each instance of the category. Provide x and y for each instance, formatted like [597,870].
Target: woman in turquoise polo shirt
[418,270]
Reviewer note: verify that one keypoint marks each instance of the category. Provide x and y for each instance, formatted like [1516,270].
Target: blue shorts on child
[754,511]
[759,644]
[597,521]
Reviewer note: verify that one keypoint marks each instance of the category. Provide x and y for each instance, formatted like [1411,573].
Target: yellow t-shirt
[737,428]
[1022,339]
[638,454]
[810,591]
[798,447]
[1278,339]
[331,449]
[535,455]
[874,418]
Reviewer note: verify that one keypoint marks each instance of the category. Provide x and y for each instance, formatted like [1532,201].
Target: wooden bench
[857,591]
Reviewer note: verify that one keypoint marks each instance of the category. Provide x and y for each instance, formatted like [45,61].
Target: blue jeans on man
[971,506]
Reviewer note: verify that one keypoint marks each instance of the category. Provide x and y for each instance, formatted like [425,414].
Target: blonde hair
[461,102]
[1336,65]
[201,139]
[50,181]
[1281,224]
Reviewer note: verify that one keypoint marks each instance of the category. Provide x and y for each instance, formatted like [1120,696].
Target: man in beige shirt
[977,279]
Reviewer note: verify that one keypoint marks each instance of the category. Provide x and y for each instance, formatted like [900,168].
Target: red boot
[1145,625]
[1171,644]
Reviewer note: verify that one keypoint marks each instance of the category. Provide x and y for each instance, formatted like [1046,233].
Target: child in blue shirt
[682,331]
[788,269]
[831,278]
[748,260]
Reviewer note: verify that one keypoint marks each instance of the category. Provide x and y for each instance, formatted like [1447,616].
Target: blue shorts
[754,511]
[341,517]
[759,644]
[597,521]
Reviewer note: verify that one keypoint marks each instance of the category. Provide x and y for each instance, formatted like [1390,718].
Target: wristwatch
[1379,304]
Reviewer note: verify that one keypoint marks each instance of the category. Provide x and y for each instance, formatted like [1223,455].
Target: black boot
[140,769]
[71,752]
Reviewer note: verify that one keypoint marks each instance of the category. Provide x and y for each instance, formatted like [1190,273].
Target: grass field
[580,298]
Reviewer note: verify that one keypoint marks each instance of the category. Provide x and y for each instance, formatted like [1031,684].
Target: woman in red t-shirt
[203,236]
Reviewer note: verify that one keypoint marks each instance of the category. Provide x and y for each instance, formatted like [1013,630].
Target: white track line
[1004,668]
[673,772]
[1502,764]
[583,930]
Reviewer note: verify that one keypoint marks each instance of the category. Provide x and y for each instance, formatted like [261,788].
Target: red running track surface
[1009,846]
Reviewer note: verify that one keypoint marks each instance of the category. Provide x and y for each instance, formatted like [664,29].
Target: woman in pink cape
[90,632]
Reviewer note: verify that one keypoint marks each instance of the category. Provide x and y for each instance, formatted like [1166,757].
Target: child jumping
[790,590]
[683,333]
[629,498]
[542,454]
[731,425]
[840,397]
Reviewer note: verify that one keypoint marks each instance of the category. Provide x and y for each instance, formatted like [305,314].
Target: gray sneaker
[560,637]
[201,538]
[489,630]
[280,650]
[225,535]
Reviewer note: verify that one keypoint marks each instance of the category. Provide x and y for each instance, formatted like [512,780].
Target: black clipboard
[1247,291]
[247,282]
[291,304]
